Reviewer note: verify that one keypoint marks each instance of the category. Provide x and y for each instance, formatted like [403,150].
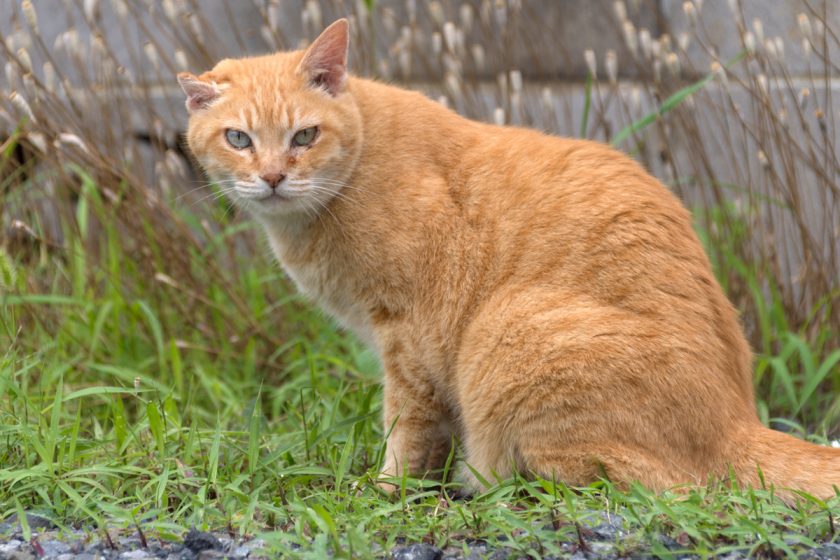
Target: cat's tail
[787,463]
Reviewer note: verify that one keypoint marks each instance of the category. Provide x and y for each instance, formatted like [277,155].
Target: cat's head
[280,134]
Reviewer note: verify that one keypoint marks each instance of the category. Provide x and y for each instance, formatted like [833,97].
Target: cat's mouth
[272,202]
[274,197]
[271,197]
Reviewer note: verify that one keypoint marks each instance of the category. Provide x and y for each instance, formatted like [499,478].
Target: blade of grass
[669,104]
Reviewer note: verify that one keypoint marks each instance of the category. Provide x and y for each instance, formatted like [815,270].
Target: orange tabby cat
[544,299]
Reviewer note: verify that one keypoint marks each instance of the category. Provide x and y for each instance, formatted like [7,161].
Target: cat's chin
[274,206]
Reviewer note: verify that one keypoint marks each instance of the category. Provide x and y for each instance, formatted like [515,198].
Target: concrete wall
[544,39]
[541,40]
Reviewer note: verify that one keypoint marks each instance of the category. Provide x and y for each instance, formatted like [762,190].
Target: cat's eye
[304,137]
[237,139]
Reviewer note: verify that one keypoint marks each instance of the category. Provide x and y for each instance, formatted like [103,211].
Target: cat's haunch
[545,299]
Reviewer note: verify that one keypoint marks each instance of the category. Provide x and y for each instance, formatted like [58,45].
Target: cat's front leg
[417,427]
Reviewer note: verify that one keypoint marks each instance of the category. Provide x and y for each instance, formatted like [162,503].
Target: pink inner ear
[332,79]
[326,59]
[199,93]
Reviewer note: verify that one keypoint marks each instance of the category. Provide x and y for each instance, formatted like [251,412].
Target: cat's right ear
[200,93]
[325,61]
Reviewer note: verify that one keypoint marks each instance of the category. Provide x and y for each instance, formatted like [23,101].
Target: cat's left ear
[200,93]
[325,61]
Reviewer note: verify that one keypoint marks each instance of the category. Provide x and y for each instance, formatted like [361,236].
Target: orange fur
[544,299]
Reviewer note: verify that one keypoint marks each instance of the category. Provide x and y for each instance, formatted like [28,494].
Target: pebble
[241,552]
[70,545]
[134,555]
[54,548]
[36,522]
[11,546]
[198,541]
[824,552]
[211,554]
[419,551]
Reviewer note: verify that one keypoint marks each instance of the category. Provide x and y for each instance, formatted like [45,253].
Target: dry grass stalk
[756,147]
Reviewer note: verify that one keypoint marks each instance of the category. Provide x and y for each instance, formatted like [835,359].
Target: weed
[159,372]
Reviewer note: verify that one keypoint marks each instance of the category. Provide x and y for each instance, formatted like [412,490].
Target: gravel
[199,541]
[420,551]
[597,540]
[48,543]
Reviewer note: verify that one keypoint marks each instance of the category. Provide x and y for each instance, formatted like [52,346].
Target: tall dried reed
[93,124]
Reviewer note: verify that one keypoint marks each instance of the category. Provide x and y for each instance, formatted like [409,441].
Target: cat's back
[583,215]
[566,175]
[578,219]
[574,194]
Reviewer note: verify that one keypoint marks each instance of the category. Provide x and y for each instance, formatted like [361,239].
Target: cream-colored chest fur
[317,279]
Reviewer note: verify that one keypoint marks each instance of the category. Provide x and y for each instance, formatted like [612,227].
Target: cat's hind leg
[578,392]
[503,436]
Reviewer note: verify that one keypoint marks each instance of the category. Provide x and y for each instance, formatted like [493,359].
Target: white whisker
[204,186]
[339,195]
[215,195]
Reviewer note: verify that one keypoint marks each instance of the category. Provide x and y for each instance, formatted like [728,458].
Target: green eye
[305,137]
[237,139]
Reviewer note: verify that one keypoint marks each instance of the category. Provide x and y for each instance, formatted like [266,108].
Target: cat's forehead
[263,93]
[277,71]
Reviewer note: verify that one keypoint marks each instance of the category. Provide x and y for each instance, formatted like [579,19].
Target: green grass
[131,399]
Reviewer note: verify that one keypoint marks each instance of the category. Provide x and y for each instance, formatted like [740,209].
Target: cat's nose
[273,179]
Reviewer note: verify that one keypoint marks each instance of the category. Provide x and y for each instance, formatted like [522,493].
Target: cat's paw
[387,487]
[383,483]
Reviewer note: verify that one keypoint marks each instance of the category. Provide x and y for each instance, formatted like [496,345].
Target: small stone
[670,543]
[36,522]
[501,554]
[211,554]
[254,544]
[418,551]
[457,553]
[134,555]
[823,552]
[20,555]
[611,527]
[10,546]
[53,548]
[199,540]
[240,552]
[601,549]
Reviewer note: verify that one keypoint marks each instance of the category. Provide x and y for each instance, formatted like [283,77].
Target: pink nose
[273,179]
